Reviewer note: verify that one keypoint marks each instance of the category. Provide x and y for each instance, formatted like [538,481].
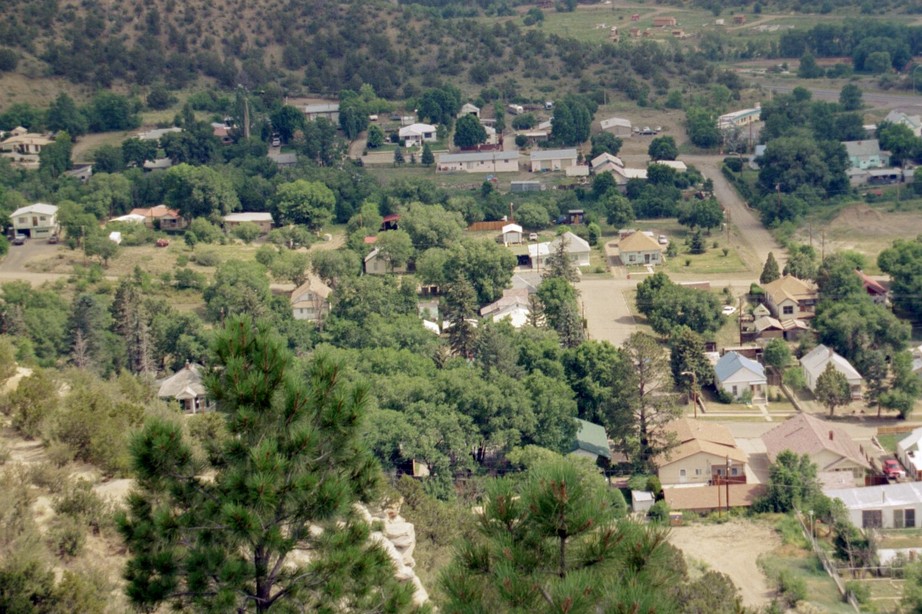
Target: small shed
[591,441]
[642,501]
[512,233]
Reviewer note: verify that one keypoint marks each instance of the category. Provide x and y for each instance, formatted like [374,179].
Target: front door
[646,258]
[34,221]
[683,477]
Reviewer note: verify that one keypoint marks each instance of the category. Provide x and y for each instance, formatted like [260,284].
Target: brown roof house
[827,445]
[704,452]
[161,216]
[640,248]
[310,301]
[706,499]
[262,220]
[186,387]
[791,298]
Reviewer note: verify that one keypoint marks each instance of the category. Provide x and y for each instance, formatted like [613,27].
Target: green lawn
[888,441]
[821,590]
[713,261]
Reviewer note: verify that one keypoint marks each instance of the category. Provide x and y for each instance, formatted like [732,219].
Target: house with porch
[186,387]
[38,221]
[740,377]
[866,154]
[815,361]
[706,453]
[639,248]
[415,135]
[827,445]
[791,298]
[552,159]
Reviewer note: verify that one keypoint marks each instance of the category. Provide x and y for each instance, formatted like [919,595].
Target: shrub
[659,512]
[734,163]
[206,257]
[66,536]
[187,279]
[860,590]
[246,232]
[521,140]
[182,260]
[724,397]
[791,588]
[77,500]
[202,231]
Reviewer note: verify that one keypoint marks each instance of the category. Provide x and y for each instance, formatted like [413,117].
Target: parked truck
[515,109]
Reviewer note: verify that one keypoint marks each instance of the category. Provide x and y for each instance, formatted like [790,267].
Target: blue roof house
[738,375]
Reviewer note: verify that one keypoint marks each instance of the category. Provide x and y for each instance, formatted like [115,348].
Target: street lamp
[694,389]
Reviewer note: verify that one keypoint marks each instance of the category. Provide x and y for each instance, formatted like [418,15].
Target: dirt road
[752,237]
[608,316]
[732,549]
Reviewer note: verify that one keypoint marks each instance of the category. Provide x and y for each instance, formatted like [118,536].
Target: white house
[417,134]
[479,162]
[512,233]
[36,221]
[640,248]
[737,119]
[889,506]
[376,264]
[513,306]
[676,165]
[577,249]
[913,122]
[618,126]
[815,361]
[326,110]
[552,159]
[737,375]
[908,451]
[310,301]
[605,162]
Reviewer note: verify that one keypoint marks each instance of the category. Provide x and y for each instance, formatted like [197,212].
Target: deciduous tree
[832,389]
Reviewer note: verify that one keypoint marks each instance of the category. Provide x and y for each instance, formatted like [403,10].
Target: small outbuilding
[512,234]
[591,441]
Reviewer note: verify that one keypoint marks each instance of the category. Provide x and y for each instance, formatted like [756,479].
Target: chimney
[831,435]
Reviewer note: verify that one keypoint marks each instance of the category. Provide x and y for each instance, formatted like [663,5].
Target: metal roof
[40,208]
[479,156]
[552,154]
[591,438]
[731,362]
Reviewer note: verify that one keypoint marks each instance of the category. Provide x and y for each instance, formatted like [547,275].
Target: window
[681,473]
[698,471]
[734,391]
[787,310]
[734,471]
[871,519]
[904,519]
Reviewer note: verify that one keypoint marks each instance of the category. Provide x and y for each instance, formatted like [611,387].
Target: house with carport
[552,159]
[827,445]
[706,453]
[888,506]
[815,361]
[739,377]
[639,248]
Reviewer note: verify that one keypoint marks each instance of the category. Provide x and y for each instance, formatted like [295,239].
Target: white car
[663,240]
[728,310]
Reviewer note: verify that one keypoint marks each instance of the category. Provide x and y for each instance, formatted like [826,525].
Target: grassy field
[712,262]
[821,590]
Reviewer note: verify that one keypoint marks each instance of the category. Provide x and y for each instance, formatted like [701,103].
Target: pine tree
[552,543]
[460,307]
[696,245]
[427,158]
[398,155]
[281,484]
[570,325]
[133,324]
[559,264]
[770,272]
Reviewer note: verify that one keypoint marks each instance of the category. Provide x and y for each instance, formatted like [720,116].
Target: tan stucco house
[791,298]
[640,248]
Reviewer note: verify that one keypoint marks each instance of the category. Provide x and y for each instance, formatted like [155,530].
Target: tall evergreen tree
[427,159]
[770,271]
[132,322]
[559,264]
[460,307]
[282,484]
[553,543]
[686,355]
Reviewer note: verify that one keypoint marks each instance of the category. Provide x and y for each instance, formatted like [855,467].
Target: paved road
[752,238]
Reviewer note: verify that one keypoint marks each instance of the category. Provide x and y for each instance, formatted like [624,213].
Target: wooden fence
[484,226]
[828,565]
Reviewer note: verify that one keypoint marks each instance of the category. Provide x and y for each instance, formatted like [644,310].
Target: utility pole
[739,318]
[727,480]
[694,389]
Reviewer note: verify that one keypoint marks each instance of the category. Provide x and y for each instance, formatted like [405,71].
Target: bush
[734,163]
[77,500]
[791,588]
[724,397]
[206,257]
[860,590]
[66,536]
[187,279]
[659,512]
[521,140]
[202,231]
[246,232]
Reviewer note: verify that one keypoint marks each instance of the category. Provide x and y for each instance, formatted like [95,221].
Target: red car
[163,243]
[893,470]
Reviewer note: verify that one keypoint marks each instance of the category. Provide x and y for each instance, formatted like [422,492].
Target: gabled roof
[311,286]
[155,212]
[605,158]
[591,438]
[791,288]
[510,297]
[911,441]
[678,165]
[612,122]
[416,130]
[469,108]
[573,245]
[870,284]
[731,363]
[696,436]
[766,322]
[478,156]
[184,384]
[552,154]
[511,228]
[868,147]
[815,362]
[639,242]
[804,434]
[39,208]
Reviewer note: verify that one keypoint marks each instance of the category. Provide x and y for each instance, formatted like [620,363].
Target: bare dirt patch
[732,548]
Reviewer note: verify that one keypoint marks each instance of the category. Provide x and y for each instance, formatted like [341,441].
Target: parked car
[19,239]
[163,243]
[663,240]
[893,470]
[53,239]
[276,142]
[533,236]
[728,310]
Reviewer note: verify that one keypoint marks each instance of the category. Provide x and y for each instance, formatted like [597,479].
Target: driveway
[608,316]
[33,249]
